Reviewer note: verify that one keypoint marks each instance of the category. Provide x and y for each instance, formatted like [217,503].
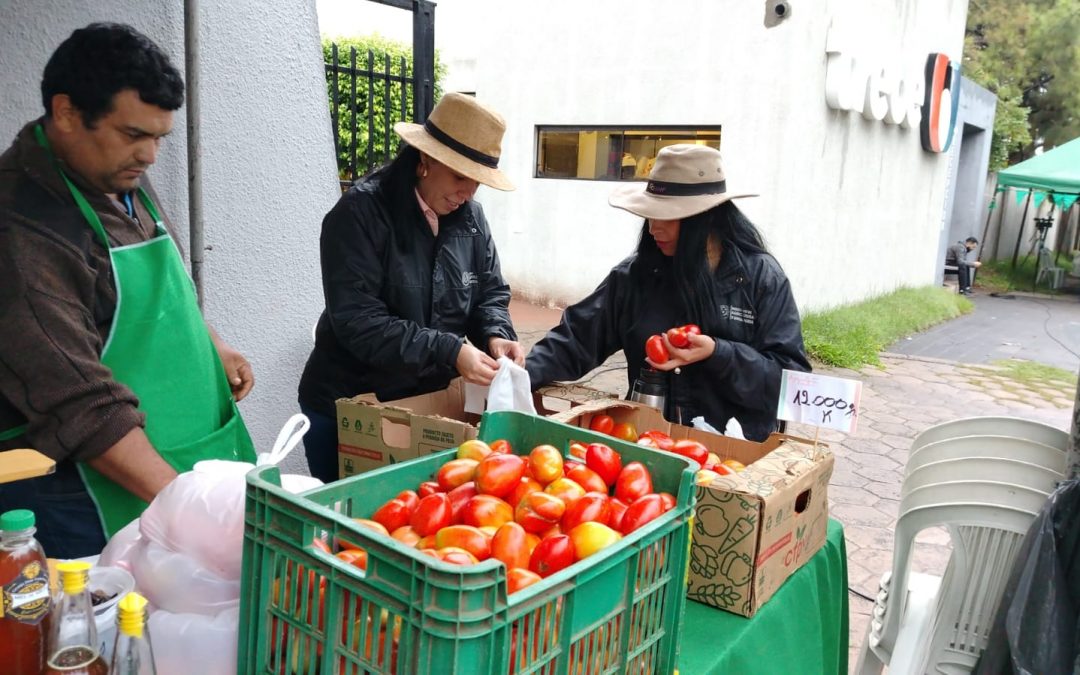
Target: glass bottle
[24,595]
[73,640]
[132,653]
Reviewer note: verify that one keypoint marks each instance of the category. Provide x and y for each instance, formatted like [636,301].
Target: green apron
[159,346]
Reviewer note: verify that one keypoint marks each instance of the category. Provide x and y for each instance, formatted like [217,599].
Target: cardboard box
[372,434]
[24,463]
[752,529]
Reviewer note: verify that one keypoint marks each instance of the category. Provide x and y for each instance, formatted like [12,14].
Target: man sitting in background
[956,256]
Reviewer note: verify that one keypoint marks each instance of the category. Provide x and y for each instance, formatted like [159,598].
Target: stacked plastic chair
[984,479]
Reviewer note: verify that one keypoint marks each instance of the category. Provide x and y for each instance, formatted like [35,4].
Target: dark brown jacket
[57,300]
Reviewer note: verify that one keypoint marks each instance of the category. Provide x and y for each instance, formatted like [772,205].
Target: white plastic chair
[1014,427]
[1048,270]
[986,496]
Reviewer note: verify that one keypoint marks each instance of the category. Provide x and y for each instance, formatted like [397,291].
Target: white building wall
[852,208]
[268,171]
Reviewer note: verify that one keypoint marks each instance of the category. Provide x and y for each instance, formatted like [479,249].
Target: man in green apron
[106,364]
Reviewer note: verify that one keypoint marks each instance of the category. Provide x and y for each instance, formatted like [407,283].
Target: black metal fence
[372,90]
[368,95]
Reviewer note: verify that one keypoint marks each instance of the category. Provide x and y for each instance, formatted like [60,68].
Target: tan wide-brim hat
[464,135]
[684,181]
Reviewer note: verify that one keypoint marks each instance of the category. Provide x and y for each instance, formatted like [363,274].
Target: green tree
[372,92]
[1028,53]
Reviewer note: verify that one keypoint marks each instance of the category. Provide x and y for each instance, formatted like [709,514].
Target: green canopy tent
[1056,171]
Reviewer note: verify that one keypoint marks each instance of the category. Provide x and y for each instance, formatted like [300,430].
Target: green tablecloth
[803,628]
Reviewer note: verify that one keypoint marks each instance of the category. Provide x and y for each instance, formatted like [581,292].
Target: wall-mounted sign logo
[928,101]
[940,104]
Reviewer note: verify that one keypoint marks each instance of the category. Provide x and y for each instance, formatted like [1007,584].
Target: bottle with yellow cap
[132,653]
[73,639]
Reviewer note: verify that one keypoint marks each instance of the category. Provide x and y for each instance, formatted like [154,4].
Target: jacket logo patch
[737,314]
[468,278]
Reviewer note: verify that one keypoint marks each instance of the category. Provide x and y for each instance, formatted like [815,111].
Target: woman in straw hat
[700,261]
[409,270]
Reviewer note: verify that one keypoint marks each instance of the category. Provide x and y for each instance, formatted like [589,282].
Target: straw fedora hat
[464,135]
[685,180]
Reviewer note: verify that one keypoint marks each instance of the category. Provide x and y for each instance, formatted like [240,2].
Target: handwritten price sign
[819,400]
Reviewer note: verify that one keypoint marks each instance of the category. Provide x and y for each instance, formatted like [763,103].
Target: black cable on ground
[852,589]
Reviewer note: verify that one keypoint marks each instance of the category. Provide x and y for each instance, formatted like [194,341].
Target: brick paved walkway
[900,399]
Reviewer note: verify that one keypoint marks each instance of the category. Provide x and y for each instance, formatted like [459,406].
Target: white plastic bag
[195,643]
[511,389]
[178,583]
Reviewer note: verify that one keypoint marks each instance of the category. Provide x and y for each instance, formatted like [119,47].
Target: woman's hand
[512,350]
[475,366]
[701,347]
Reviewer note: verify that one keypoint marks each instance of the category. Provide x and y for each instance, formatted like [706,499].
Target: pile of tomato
[537,514]
[710,465]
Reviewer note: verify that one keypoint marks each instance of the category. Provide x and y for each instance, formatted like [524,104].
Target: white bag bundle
[186,554]
[511,389]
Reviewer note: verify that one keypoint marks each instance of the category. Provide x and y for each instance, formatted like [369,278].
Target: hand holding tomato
[700,347]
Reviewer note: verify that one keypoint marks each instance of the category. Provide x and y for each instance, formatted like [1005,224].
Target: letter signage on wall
[929,102]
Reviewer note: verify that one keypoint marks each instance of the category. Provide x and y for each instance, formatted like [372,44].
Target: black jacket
[757,333]
[398,299]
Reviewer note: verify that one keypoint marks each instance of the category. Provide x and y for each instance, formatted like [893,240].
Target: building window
[610,153]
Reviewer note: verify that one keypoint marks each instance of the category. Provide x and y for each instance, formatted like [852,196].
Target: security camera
[776,11]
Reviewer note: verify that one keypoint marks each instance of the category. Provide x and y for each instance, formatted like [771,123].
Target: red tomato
[318,543]
[474,448]
[457,556]
[618,509]
[518,578]
[551,555]
[545,463]
[692,329]
[589,538]
[662,440]
[625,431]
[510,546]
[486,510]
[668,500]
[643,510]
[587,478]
[431,515]
[410,498]
[692,450]
[502,447]
[602,424]
[656,350]
[524,487]
[647,442]
[456,472]
[459,497]
[392,515]
[355,557]
[464,537]
[362,522]
[678,338]
[578,450]
[604,461]
[593,506]
[538,511]
[551,532]
[428,487]
[499,474]
[634,481]
[565,489]
[427,542]
[406,535]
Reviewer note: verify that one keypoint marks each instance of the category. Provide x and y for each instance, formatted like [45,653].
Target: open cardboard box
[752,529]
[373,433]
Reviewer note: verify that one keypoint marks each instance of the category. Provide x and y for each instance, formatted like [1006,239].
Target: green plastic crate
[618,611]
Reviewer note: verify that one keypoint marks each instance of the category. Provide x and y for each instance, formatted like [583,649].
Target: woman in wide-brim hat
[409,272]
[699,261]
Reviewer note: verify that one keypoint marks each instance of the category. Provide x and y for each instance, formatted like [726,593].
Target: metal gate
[370,91]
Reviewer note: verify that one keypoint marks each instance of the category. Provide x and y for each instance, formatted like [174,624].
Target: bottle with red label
[26,600]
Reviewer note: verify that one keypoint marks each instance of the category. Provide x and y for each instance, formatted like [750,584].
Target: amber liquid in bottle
[76,661]
[24,584]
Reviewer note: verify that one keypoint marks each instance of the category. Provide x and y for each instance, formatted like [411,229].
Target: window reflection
[606,153]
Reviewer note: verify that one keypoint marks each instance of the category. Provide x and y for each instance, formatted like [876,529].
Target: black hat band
[460,148]
[666,189]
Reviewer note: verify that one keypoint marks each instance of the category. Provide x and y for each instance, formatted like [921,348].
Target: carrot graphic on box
[742,528]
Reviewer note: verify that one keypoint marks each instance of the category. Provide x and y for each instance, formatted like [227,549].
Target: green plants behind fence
[851,336]
[370,87]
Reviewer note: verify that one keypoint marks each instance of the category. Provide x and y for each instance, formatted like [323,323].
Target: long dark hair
[725,224]
[399,173]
